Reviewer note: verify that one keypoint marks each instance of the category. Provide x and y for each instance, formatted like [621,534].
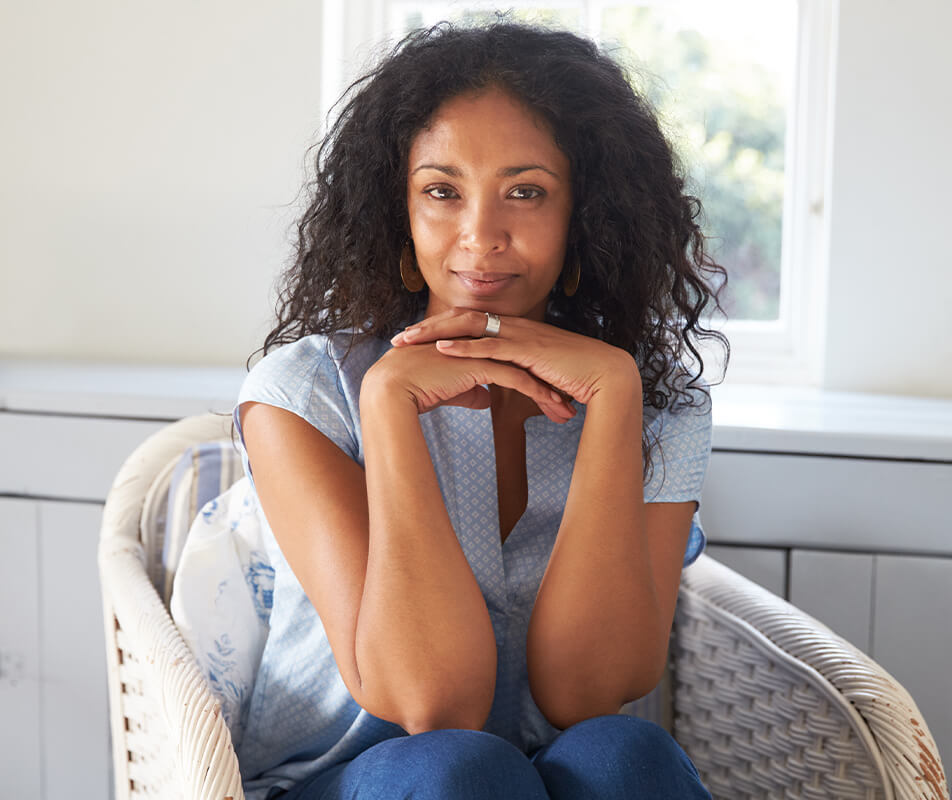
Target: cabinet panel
[912,636]
[764,565]
[20,736]
[75,700]
[837,589]
[822,503]
[65,457]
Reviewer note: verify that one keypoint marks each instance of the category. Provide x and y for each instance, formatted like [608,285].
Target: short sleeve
[681,451]
[303,378]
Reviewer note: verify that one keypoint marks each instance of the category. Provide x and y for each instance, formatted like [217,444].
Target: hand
[578,366]
[428,378]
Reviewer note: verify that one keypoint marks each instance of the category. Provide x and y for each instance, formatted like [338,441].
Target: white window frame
[788,350]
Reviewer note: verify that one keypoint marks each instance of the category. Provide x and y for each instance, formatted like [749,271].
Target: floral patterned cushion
[221,587]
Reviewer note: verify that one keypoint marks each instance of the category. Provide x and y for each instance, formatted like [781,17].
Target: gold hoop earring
[409,270]
[570,281]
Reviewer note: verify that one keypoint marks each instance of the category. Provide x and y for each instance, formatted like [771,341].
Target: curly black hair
[647,282]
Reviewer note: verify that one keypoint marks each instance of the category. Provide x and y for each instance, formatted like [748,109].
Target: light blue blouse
[302,719]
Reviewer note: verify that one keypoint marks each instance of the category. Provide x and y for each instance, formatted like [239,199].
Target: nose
[483,229]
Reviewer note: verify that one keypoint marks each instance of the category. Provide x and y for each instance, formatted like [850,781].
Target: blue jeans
[609,758]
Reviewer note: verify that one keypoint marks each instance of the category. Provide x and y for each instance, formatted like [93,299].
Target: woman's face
[489,196]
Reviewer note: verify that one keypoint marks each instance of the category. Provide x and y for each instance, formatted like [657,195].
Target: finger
[501,351]
[477,397]
[415,328]
[511,350]
[549,401]
[450,325]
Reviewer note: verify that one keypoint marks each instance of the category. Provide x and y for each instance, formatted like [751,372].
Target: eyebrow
[505,172]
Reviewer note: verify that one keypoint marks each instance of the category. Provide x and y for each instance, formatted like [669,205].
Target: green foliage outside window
[726,115]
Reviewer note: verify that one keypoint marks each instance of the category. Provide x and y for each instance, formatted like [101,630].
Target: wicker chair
[767,701]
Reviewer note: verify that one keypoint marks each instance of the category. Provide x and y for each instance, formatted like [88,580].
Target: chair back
[169,740]
[199,475]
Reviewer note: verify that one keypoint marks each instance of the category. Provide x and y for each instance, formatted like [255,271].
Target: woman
[473,437]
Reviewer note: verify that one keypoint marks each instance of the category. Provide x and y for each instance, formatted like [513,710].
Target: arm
[599,631]
[423,630]
[376,553]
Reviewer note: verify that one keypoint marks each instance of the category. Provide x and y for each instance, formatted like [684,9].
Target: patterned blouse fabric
[301,718]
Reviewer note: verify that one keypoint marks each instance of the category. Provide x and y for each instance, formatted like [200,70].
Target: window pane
[720,75]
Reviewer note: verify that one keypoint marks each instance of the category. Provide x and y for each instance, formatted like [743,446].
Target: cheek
[431,242]
[429,233]
[549,235]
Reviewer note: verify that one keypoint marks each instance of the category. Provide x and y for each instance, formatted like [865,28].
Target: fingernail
[556,396]
[397,338]
[443,344]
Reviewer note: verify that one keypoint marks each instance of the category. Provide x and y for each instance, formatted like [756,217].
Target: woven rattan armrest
[769,702]
[169,739]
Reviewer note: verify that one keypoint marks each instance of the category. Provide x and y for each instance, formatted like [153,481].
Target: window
[741,87]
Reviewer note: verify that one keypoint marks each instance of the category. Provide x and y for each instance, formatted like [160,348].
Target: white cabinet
[837,589]
[864,504]
[912,635]
[75,458]
[764,565]
[54,736]
[64,432]
[75,720]
[20,735]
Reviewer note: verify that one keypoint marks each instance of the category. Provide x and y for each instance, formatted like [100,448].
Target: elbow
[435,695]
[426,707]
[462,712]
[446,719]
[566,703]
[569,709]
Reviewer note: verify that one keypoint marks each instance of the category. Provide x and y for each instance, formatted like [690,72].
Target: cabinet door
[825,503]
[912,635]
[20,744]
[74,458]
[75,702]
[764,565]
[837,589]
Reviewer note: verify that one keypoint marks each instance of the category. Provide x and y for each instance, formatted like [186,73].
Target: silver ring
[493,324]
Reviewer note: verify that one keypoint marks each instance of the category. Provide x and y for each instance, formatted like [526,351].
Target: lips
[485,282]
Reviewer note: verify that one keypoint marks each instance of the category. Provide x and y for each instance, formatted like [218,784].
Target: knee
[615,734]
[623,732]
[465,764]
[461,755]
[461,748]
[618,756]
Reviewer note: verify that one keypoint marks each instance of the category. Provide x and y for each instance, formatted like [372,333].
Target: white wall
[889,326]
[150,148]
[148,155]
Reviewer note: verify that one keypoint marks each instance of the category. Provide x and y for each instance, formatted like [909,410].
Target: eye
[526,193]
[440,192]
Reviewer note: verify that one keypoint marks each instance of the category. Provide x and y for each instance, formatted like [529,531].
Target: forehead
[489,125]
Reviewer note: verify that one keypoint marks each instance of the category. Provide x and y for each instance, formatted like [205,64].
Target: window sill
[794,419]
[748,417]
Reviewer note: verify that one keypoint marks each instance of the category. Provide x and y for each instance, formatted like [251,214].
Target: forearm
[424,646]
[597,637]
